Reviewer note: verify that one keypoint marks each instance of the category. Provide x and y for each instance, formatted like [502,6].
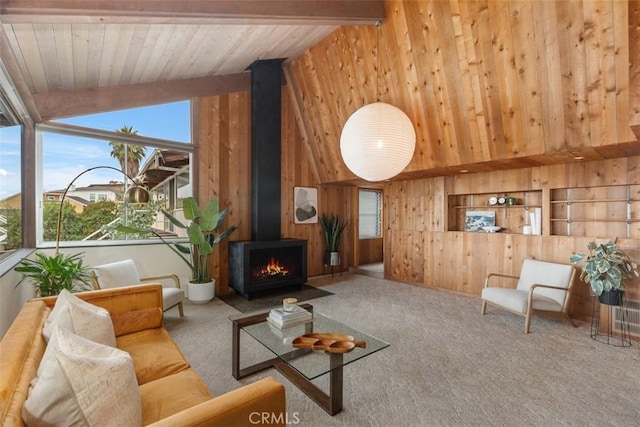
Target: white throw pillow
[84,319]
[83,383]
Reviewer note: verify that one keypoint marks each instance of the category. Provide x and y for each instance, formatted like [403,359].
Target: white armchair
[543,287]
[125,273]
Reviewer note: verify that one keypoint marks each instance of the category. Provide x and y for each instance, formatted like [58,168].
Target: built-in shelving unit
[510,216]
[597,211]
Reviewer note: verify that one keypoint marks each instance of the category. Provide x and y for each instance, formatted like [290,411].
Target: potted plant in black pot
[203,234]
[51,274]
[605,268]
[333,228]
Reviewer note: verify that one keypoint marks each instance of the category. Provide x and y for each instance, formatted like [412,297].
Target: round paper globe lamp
[377,142]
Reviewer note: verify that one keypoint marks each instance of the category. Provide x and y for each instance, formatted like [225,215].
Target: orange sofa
[171,392]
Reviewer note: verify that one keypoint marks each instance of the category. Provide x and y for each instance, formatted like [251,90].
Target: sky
[66,156]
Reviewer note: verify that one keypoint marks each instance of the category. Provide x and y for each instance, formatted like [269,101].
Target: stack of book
[284,319]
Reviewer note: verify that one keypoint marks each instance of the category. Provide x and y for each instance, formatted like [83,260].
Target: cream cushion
[117,274]
[83,383]
[82,318]
[124,273]
[533,272]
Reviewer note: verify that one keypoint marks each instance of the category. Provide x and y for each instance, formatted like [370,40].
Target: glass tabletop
[310,363]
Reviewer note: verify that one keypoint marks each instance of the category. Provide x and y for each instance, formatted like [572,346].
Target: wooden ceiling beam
[322,12]
[71,103]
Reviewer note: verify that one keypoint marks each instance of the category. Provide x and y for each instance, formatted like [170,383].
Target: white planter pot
[200,293]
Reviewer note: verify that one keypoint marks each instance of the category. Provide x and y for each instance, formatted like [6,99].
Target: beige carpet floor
[447,365]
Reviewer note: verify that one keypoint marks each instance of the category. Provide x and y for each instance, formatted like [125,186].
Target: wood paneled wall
[223,137]
[420,251]
[370,251]
[484,82]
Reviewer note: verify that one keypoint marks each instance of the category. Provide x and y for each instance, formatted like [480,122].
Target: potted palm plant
[333,228]
[203,233]
[53,273]
[605,269]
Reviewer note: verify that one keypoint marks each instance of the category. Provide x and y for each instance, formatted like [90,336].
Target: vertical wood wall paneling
[574,71]
[481,80]
[459,261]
[509,89]
[633,34]
[547,50]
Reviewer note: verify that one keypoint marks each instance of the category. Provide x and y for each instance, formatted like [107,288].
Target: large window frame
[97,134]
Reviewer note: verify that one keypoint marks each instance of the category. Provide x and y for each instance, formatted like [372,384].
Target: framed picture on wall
[305,201]
[475,220]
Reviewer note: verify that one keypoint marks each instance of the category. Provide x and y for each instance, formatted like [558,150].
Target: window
[370,215]
[10,189]
[105,165]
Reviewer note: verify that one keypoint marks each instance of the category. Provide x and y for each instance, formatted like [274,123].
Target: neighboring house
[79,197]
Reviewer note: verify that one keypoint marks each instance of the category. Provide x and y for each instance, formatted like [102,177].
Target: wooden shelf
[497,206]
[625,221]
[587,211]
[510,217]
[568,202]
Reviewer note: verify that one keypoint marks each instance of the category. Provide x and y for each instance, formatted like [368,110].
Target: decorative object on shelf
[526,229]
[333,228]
[202,231]
[475,220]
[502,200]
[330,342]
[492,228]
[512,201]
[493,201]
[306,205]
[606,266]
[536,221]
[378,140]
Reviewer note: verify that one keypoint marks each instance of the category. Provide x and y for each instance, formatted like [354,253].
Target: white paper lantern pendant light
[378,140]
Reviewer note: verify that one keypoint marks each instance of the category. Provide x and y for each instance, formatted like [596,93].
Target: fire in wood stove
[272,269]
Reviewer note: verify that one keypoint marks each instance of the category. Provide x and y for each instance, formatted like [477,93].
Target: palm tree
[135,153]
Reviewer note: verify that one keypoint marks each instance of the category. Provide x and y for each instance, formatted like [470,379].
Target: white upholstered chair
[543,287]
[125,273]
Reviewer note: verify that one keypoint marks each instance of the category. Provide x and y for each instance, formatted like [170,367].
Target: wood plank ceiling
[60,55]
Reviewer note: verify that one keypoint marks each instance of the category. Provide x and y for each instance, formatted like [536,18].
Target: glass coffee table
[302,365]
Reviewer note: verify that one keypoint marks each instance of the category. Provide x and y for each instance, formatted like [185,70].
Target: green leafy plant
[202,231]
[333,229]
[52,274]
[605,266]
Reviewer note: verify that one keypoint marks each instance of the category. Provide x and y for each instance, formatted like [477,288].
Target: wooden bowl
[341,347]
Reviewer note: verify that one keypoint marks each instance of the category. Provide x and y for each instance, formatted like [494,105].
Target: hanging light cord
[378,25]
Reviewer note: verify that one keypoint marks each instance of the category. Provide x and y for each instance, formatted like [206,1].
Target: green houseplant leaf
[605,266]
[333,228]
[203,234]
[53,273]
